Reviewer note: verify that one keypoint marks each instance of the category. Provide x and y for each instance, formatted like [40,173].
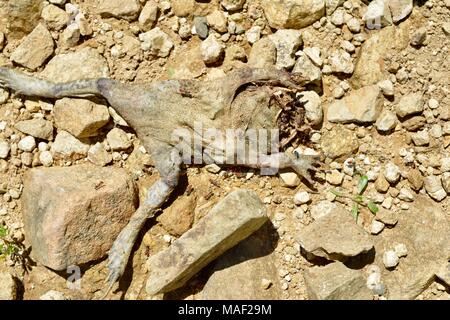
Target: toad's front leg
[303,165]
[168,162]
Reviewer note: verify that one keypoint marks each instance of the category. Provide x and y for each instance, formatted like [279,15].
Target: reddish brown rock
[72,215]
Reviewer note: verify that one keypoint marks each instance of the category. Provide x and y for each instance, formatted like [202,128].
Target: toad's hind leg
[167,161]
[32,86]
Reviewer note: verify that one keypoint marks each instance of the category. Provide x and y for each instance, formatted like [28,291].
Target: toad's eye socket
[297,155]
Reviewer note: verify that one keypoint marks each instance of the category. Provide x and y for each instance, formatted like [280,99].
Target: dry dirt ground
[424,68]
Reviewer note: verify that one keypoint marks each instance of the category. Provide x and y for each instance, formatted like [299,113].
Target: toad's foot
[305,164]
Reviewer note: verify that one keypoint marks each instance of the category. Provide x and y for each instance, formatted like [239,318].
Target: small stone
[307,69]
[446,182]
[68,147]
[401,250]
[287,43]
[98,155]
[349,167]
[157,42]
[445,164]
[421,138]
[212,168]
[263,54]
[376,227]
[410,104]
[4,149]
[387,87]
[148,15]
[436,131]
[335,178]
[211,50]
[379,289]
[46,158]
[80,117]
[70,36]
[339,142]
[313,107]
[4,95]
[406,194]
[301,197]
[353,25]
[386,216]
[38,128]
[218,22]
[361,106]
[294,14]
[400,9]
[265,284]
[415,178]
[391,173]
[35,48]
[322,209]
[338,17]
[446,28]
[374,277]
[253,34]
[201,27]
[8,287]
[377,15]
[290,179]
[390,259]
[314,54]
[232,5]
[118,140]
[434,188]
[128,10]
[433,103]
[386,121]
[55,18]
[27,144]
[418,37]
[53,295]
[341,62]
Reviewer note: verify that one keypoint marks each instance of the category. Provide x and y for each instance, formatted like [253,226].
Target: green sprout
[359,199]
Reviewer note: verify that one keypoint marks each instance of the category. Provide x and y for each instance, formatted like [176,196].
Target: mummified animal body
[154,111]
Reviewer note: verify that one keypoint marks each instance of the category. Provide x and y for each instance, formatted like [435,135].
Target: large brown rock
[425,231]
[232,220]
[72,215]
[336,236]
[336,282]
[239,273]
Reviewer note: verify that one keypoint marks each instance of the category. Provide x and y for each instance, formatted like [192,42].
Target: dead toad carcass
[155,110]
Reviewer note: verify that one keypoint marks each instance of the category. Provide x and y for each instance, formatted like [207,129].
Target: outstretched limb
[167,161]
[32,86]
[303,165]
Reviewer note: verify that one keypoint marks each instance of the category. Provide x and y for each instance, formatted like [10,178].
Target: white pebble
[301,198]
[390,259]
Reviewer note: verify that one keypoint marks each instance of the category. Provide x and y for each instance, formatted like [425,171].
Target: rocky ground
[378,101]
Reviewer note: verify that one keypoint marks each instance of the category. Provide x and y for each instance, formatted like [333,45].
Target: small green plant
[7,247]
[359,199]
[11,249]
